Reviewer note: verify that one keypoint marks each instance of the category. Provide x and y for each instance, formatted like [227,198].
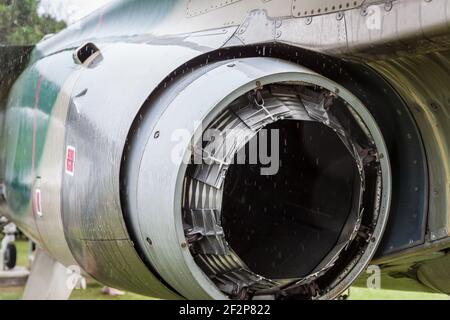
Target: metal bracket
[259,27]
[48,280]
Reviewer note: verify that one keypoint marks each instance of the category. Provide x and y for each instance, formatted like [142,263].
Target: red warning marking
[70,160]
[38,203]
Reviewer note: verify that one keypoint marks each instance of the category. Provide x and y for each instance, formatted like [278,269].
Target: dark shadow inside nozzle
[282,226]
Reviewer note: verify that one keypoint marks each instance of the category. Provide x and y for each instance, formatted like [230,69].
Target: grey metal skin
[96,228]
[144,46]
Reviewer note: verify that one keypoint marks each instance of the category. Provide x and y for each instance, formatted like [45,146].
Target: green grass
[372,294]
[93,291]
[10,293]
[22,253]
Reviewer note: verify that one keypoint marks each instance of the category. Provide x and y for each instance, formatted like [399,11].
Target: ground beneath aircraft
[93,291]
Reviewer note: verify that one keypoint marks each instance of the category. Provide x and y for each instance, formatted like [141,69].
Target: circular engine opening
[283,225]
[282,195]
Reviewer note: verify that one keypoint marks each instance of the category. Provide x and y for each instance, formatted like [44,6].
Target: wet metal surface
[58,104]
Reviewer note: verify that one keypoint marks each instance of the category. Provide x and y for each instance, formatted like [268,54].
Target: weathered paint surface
[144,41]
[30,107]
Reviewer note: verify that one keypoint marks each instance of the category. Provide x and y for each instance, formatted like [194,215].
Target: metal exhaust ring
[161,182]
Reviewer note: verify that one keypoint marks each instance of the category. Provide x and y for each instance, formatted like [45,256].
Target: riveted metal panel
[198,7]
[304,8]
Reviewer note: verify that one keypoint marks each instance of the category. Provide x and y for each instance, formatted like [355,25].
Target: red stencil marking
[38,203]
[70,160]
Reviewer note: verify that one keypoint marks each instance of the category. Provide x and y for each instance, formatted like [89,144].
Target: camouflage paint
[27,117]
[32,99]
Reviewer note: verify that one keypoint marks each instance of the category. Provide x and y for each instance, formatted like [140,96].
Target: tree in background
[20,23]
